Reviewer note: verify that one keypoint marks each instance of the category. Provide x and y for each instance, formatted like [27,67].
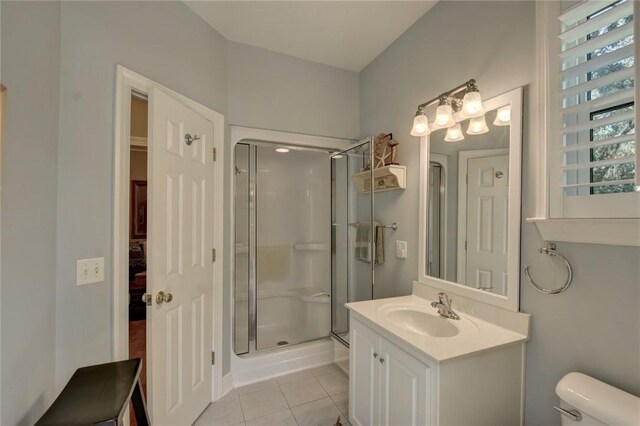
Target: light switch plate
[401,249]
[89,271]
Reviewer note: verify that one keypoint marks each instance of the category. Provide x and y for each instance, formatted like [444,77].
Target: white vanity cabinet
[395,384]
[387,385]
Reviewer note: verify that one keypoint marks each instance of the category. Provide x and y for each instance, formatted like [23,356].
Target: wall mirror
[470,198]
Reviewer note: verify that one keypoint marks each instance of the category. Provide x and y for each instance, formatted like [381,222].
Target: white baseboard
[227,384]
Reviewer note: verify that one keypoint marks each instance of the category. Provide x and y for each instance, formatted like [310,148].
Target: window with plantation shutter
[596,169]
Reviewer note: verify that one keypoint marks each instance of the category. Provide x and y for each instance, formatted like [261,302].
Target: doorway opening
[138,214]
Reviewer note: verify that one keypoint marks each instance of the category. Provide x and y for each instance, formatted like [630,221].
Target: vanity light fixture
[454,134]
[477,126]
[282,150]
[472,102]
[464,100]
[503,117]
[444,115]
[420,124]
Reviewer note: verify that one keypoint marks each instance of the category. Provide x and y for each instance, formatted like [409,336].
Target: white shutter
[597,96]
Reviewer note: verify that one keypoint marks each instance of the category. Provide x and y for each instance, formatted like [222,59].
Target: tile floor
[314,397]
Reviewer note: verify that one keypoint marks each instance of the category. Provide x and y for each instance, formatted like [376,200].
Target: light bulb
[444,116]
[503,117]
[471,105]
[420,125]
[454,134]
[477,126]
[282,150]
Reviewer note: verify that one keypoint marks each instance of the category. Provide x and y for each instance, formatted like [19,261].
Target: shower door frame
[362,142]
[255,137]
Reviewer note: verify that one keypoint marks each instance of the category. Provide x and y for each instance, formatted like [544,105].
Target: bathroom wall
[30,71]
[593,327]
[164,41]
[275,91]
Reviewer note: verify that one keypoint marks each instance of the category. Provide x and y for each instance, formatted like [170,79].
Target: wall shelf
[387,178]
[619,232]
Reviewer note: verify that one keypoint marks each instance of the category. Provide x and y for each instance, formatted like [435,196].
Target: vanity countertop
[404,318]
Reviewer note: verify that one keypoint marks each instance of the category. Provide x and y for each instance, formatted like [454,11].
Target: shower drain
[282,343]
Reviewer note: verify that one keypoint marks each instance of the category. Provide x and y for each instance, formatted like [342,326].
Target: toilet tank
[597,402]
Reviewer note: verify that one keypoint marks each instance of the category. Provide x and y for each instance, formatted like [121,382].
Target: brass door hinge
[213,358]
[215,154]
[213,255]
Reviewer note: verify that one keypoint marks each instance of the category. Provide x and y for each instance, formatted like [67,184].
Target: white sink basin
[421,322]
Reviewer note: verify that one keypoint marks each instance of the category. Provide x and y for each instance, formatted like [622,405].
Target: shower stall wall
[282,234]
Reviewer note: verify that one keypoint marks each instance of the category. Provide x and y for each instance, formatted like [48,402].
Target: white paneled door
[487,213]
[180,270]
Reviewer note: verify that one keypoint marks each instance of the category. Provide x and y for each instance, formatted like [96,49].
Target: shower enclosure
[283,239]
[297,213]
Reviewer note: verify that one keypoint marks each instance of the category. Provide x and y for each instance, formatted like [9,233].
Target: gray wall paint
[275,91]
[164,41]
[593,327]
[30,71]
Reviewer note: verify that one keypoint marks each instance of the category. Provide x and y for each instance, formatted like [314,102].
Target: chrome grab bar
[550,250]
[574,415]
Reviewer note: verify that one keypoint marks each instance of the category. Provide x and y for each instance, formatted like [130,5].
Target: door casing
[126,82]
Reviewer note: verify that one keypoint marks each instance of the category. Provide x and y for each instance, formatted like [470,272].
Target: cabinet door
[405,398]
[364,375]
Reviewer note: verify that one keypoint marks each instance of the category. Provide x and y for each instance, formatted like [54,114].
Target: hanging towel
[363,242]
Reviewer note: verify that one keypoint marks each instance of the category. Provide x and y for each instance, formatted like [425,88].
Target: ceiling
[344,34]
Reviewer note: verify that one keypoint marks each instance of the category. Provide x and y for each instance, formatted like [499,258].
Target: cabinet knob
[381,360]
[375,355]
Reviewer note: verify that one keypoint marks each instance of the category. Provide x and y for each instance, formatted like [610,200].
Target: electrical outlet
[401,249]
[89,271]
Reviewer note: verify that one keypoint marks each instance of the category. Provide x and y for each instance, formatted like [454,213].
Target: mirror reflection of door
[482,261]
[467,210]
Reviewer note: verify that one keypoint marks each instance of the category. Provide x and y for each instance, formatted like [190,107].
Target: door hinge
[215,154]
[465,245]
[213,255]
[213,358]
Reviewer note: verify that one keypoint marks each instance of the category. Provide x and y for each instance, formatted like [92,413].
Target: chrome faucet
[444,307]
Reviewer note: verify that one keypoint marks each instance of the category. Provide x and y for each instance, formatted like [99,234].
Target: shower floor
[279,337]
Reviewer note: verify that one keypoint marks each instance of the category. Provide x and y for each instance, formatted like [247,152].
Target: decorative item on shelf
[467,106]
[385,150]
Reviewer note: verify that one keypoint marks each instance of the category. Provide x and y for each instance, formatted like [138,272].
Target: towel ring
[550,250]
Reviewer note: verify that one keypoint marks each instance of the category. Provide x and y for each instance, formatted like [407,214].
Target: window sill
[617,232]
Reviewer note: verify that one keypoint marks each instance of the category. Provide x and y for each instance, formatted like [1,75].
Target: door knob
[163,297]
[147,298]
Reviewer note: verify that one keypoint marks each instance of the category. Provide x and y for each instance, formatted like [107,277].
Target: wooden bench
[99,394]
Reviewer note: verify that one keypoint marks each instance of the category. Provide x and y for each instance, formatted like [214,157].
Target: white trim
[512,300]
[126,81]
[618,232]
[463,163]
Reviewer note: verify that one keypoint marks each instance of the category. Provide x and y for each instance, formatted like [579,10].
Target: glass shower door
[352,228]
